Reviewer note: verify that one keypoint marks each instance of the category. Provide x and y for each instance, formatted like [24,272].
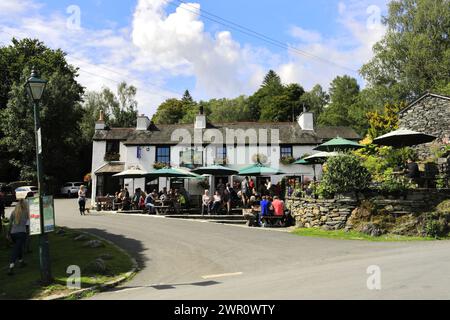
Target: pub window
[163,155]
[286,151]
[221,154]
[112,146]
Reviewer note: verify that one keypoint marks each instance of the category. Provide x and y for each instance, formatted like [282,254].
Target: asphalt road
[196,260]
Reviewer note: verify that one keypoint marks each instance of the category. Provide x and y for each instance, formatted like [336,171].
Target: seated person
[265,208]
[206,202]
[149,203]
[278,207]
[217,202]
[412,169]
[136,198]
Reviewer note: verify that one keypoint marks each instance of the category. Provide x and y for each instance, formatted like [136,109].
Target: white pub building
[236,145]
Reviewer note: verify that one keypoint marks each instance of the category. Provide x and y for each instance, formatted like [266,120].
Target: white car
[71,188]
[22,192]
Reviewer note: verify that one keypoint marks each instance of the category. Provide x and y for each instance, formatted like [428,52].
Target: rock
[97,266]
[326,228]
[372,230]
[60,232]
[80,237]
[389,208]
[93,244]
[106,256]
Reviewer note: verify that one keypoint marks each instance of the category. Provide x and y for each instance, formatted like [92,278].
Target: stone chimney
[100,124]
[143,122]
[306,121]
[200,120]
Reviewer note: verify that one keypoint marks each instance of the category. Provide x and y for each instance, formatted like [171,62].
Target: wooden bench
[273,221]
[163,210]
[104,203]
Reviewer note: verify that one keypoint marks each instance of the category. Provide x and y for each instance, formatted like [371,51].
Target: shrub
[287,160]
[160,165]
[344,173]
[394,184]
[436,225]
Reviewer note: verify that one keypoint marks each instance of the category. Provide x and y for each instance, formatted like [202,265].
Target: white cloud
[178,43]
[305,35]
[345,53]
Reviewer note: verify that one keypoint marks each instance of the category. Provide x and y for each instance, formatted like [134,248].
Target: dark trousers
[18,240]
[82,205]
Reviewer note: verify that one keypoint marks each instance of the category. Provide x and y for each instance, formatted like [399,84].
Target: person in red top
[278,206]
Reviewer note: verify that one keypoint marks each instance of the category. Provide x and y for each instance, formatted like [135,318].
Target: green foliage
[345,108]
[384,122]
[414,55]
[170,111]
[287,160]
[395,184]
[436,225]
[160,165]
[315,100]
[204,184]
[344,173]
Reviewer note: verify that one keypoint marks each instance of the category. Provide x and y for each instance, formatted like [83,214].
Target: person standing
[18,233]
[227,197]
[82,200]
[245,191]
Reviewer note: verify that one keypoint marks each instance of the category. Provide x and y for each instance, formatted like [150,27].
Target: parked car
[7,194]
[22,192]
[71,188]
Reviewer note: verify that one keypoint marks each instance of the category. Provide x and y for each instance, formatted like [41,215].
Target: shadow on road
[132,246]
[165,286]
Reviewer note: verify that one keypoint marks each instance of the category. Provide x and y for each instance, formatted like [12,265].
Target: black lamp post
[35,88]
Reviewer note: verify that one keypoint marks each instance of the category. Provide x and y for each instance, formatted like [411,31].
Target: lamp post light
[35,88]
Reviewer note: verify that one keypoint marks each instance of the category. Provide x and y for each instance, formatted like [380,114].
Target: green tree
[170,111]
[414,55]
[315,100]
[60,112]
[344,92]
[270,87]
[123,107]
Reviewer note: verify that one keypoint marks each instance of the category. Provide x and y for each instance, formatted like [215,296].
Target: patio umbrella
[132,173]
[259,169]
[320,157]
[216,170]
[307,163]
[172,173]
[404,138]
[338,144]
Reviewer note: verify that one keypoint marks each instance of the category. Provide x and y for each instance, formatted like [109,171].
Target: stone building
[428,114]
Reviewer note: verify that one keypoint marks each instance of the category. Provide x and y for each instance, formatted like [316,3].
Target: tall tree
[414,55]
[170,111]
[344,93]
[60,112]
[315,100]
[270,87]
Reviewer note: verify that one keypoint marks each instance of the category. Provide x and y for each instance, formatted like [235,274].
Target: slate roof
[289,133]
[426,95]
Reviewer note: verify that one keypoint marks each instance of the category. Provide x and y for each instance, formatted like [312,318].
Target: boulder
[81,237]
[93,244]
[97,266]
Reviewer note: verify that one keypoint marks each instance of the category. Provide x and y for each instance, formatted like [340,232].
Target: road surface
[196,260]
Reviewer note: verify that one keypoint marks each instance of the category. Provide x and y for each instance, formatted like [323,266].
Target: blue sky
[164,47]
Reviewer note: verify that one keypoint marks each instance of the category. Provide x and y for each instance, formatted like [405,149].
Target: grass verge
[64,252]
[354,235]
